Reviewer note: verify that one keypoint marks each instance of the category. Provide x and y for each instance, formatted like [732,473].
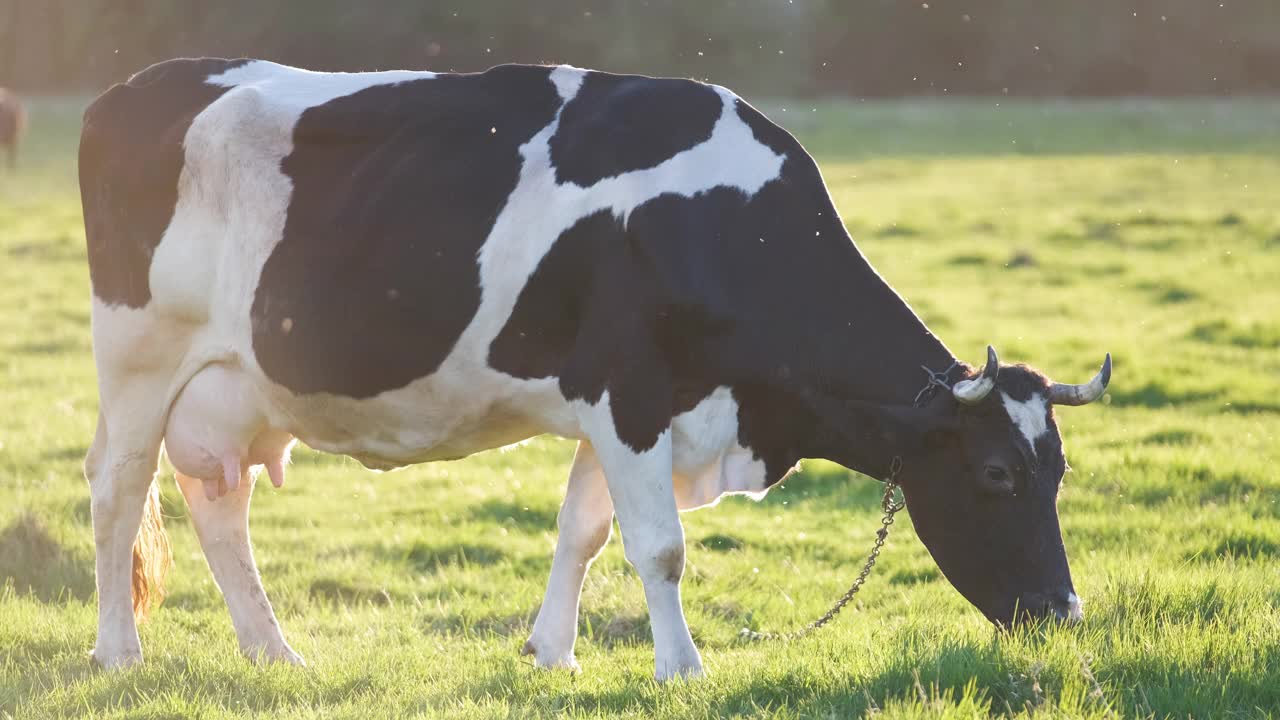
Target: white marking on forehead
[1031,416]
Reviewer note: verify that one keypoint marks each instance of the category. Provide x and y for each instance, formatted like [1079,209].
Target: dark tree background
[775,47]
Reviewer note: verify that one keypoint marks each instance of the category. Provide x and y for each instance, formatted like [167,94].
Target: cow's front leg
[585,519]
[223,528]
[641,488]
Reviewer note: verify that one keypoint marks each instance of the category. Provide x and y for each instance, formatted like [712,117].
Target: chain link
[890,505]
[937,379]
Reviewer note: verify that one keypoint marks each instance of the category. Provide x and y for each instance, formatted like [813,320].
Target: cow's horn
[971,392]
[1060,394]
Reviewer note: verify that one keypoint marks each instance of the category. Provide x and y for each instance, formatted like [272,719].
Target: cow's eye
[996,481]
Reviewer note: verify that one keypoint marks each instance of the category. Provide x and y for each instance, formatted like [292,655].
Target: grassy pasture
[1054,231]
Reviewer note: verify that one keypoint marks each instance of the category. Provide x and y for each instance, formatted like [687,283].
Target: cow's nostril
[1064,606]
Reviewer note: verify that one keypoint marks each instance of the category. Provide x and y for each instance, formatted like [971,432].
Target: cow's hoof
[116,661]
[669,674]
[551,660]
[282,654]
[688,670]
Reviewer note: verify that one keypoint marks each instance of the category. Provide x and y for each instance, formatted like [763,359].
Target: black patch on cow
[130,158]
[616,309]
[396,187]
[548,315]
[620,123]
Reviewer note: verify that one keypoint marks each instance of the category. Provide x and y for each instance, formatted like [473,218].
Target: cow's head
[983,488]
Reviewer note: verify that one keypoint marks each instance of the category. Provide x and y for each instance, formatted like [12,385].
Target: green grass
[1147,229]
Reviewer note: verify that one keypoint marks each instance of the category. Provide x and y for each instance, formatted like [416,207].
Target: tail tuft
[152,557]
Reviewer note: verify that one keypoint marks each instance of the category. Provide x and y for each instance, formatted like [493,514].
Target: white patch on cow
[301,89]
[708,463]
[567,79]
[1031,416]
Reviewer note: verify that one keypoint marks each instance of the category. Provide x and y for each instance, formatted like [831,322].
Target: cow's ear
[841,424]
[923,424]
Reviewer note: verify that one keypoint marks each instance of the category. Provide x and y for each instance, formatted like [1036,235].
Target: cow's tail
[152,556]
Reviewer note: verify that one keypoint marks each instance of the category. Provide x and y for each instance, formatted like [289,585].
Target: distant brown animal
[13,120]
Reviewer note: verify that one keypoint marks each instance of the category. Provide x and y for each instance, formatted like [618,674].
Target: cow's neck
[885,345]
[858,394]
[883,378]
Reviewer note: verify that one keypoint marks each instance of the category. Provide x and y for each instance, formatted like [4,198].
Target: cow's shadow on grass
[603,628]
[35,563]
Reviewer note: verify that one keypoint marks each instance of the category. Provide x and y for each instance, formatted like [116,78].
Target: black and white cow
[409,266]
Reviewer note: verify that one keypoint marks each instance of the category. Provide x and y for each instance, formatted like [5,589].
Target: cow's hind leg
[585,519]
[223,528]
[640,486]
[120,468]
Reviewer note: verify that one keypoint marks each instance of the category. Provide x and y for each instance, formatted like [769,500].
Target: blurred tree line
[772,47]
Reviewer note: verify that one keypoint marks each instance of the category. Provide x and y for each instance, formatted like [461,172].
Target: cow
[405,267]
[13,121]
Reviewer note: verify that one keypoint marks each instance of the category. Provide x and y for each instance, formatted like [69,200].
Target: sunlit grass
[1148,230]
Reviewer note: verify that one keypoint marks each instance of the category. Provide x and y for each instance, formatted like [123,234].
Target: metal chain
[891,505]
[936,380]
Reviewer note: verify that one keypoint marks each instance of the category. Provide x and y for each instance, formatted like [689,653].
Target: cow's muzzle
[1063,606]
